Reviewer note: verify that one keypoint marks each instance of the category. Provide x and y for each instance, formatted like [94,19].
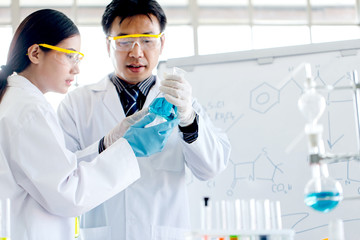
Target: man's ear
[162,39]
[108,46]
[34,53]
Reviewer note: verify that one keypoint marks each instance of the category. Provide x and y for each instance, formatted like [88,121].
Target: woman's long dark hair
[43,26]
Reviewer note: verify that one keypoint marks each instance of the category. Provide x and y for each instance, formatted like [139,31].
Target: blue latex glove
[147,141]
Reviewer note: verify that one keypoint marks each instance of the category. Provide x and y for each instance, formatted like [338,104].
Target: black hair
[129,8]
[43,26]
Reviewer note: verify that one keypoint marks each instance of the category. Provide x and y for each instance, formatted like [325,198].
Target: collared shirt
[144,87]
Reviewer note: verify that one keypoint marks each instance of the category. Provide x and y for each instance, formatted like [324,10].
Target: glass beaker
[322,193]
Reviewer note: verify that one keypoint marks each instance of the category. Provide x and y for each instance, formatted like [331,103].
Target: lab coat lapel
[152,93]
[112,102]
[111,99]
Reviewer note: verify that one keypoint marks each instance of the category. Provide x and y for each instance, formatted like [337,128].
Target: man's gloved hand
[178,92]
[119,130]
[147,141]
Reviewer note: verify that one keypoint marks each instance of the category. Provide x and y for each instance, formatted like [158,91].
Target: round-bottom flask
[322,193]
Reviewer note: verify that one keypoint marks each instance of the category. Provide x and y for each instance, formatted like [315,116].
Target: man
[155,206]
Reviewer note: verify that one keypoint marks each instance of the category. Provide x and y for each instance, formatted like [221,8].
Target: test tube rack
[283,234]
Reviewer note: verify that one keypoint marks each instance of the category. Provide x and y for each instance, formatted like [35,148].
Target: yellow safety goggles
[127,42]
[73,56]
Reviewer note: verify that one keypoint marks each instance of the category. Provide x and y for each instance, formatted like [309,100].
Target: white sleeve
[210,153]
[68,124]
[72,139]
[52,176]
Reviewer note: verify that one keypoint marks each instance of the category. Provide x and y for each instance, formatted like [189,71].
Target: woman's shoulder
[19,105]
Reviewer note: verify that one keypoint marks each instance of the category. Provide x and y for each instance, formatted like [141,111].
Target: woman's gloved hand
[119,130]
[147,141]
[178,92]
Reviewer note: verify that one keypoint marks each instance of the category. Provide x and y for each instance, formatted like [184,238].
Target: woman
[48,185]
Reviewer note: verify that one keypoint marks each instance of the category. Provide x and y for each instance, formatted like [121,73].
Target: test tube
[223,211]
[230,210]
[252,208]
[276,222]
[239,223]
[206,214]
[263,218]
[5,219]
[245,217]
[336,230]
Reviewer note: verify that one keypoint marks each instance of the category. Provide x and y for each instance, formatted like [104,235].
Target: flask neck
[319,170]
[315,142]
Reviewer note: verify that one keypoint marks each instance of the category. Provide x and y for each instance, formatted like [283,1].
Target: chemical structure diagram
[264,97]
[262,168]
[219,114]
[351,170]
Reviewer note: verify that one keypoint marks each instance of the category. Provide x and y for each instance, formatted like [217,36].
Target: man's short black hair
[129,8]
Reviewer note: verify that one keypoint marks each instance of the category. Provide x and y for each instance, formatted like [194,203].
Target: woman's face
[58,69]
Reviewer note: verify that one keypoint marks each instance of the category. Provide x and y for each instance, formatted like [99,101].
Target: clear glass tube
[206,210]
[5,228]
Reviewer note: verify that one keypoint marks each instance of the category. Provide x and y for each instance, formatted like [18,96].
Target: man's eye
[124,43]
[147,40]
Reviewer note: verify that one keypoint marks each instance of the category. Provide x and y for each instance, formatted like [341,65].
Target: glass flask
[164,110]
[312,105]
[322,193]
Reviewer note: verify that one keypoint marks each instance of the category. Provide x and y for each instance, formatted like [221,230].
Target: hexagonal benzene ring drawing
[264,97]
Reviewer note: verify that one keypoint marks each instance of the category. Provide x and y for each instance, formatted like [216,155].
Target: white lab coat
[156,206]
[44,181]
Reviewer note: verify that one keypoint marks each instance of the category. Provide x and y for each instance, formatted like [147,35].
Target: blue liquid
[163,108]
[323,201]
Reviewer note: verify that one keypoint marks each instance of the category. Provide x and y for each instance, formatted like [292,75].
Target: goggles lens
[72,57]
[127,42]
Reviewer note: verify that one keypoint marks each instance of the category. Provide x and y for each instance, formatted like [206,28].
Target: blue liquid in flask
[323,201]
[163,108]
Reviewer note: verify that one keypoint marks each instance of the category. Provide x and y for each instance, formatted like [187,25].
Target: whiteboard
[253,96]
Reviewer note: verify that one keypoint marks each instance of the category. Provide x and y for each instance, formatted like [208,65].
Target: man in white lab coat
[156,206]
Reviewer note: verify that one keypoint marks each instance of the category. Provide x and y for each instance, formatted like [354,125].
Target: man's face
[136,64]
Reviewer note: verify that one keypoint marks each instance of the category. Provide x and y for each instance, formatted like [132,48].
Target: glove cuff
[107,141]
[189,120]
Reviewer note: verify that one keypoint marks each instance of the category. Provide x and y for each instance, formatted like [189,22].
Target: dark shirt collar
[143,86]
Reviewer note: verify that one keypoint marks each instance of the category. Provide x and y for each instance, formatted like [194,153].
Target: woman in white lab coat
[48,185]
